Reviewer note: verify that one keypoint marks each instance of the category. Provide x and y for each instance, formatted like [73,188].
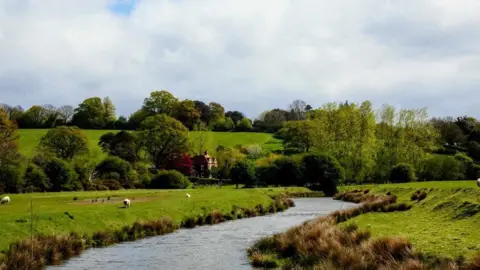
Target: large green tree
[35,117]
[122,144]
[109,115]
[298,135]
[186,112]
[64,142]
[90,114]
[217,113]
[160,102]
[163,137]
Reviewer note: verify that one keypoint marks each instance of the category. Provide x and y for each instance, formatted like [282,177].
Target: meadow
[29,139]
[445,223]
[88,212]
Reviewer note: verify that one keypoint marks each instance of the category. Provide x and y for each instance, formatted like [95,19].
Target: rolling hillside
[29,139]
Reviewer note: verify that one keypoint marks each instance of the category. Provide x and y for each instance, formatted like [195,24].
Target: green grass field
[53,211]
[29,139]
[445,223]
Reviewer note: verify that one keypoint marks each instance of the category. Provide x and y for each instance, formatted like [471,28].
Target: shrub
[35,177]
[243,173]
[59,173]
[322,172]
[267,174]
[116,168]
[112,184]
[171,179]
[440,167]
[288,173]
[402,173]
[10,179]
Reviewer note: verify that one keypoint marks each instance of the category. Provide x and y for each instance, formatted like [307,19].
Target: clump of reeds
[44,250]
[263,261]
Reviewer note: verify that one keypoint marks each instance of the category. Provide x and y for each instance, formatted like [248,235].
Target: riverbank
[431,214]
[444,223]
[86,213]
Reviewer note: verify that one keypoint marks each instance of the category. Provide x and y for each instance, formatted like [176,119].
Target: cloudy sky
[249,55]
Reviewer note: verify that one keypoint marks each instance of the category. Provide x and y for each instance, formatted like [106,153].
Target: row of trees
[369,144]
[97,113]
[154,157]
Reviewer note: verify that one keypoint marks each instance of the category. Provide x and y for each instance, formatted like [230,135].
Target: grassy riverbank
[88,212]
[416,225]
[445,223]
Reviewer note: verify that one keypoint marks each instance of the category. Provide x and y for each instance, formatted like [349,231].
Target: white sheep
[478,182]
[188,195]
[126,202]
[5,200]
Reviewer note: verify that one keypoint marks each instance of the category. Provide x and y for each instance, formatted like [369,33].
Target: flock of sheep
[127,202]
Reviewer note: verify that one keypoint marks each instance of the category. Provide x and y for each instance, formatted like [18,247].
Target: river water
[221,246]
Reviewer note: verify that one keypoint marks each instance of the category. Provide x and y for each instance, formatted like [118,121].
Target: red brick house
[203,164]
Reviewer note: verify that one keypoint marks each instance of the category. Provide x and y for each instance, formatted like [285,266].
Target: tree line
[97,113]
[337,143]
[369,144]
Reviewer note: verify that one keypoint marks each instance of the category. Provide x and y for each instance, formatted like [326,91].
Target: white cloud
[248,55]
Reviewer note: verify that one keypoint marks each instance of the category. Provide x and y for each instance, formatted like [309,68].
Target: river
[221,246]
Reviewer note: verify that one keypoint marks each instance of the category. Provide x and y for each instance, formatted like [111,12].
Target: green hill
[29,139]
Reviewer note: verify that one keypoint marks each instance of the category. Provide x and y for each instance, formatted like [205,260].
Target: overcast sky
[249,55]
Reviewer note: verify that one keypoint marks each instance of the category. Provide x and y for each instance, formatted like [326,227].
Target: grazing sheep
[478,182]
[126,202]
[5,200]
[188,195]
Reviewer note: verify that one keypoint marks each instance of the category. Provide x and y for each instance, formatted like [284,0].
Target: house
[203,164]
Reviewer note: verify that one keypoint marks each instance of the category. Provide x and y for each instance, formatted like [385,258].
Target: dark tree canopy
[235,115]
[122,144]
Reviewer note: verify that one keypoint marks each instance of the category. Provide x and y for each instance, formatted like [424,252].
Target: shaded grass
[321,244]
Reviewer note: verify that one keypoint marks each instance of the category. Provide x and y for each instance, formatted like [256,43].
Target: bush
[171,179]
[115,168]
[402,173]
[243,173]
[112,184]
[10,179]
[322,172]
[59,173]
[36,178]
[470,168]
[267,174]
[440,167]
[288,173]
